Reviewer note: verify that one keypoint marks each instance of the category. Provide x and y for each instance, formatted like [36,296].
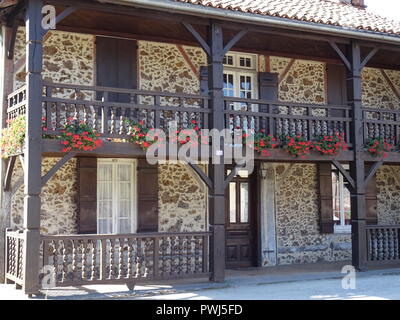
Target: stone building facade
[70,58]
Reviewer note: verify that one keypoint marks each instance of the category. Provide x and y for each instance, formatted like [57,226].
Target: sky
[388,8]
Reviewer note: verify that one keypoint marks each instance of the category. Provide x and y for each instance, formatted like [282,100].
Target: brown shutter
[87,195]
[147,196]
[268,84]
[325,198]
[371,199]
[336,87]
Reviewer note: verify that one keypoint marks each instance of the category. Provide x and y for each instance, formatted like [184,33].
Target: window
[240,81]
[116,196]
[341,204]
[239,198]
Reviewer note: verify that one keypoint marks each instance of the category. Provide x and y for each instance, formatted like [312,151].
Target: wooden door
[240,222]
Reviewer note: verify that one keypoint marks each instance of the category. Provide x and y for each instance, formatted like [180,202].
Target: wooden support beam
[345,173]
[22,161]
[188,60]
[11,43]
[198,37]
[369,56]
[234,40]
[233,174]
[33,141]
[341,55]
[357,167]
[62,16]
[9,172]
[372,171]
[286,70]
[391,84]
[56,167]
[201,174]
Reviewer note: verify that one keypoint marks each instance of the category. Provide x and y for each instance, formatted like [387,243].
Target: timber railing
[16,103]
[96,107]
[14,256]
[282,119]
[383,243]
[382,123]
[130,258]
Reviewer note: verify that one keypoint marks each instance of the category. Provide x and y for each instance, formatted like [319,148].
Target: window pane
[232,202]
[124,226]
[104,172]
[105,226]
[244,202]
[229,86]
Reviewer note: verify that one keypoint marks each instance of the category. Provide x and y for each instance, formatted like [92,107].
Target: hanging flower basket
[262,143]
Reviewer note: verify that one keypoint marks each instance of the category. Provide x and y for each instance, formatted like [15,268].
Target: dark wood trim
[56,167]
[372,171]
[344,172]
[198,37]
[340,54]
[286,70]
[233,174]
[234,40]
[9,172]
[201,174]
[186,57]
[389,81]
[62,16]
[369,56]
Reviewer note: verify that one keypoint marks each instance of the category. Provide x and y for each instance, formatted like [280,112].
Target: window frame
[115,195]
[342,227]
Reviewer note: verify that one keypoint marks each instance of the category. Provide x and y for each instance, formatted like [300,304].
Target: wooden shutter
[116,66]
[268,86]
[325,198]
[371,199]
[336,87]
[147,196]
[87,195]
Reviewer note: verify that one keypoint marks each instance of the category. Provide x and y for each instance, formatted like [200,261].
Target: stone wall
[388,190]
[58,215]
[298,236]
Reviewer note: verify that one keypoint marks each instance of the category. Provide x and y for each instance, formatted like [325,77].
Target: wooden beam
[341,55]
[233,174]
[369,56]
[11,43]
[286,70]
[234,40]
[62,16]
[390,83]
[345,173]
[198,37]
[9,172]
[188,60]
[201,174]
[56,167]
[372,171]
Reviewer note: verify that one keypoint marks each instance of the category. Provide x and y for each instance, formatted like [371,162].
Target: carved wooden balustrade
[382,123]
[97,107]
[14,256]
[16,103]
[383,243]
[89,259]
[283,119]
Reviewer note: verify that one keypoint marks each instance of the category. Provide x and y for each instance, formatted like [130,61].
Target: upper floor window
[341,204]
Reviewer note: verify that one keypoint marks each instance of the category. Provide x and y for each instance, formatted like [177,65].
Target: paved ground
[312,281]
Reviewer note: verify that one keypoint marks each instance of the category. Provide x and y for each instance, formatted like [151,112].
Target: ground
[294,282]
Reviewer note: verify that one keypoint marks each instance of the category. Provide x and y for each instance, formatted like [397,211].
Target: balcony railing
[96,107]
[14,256]
[383,243]
[130,258]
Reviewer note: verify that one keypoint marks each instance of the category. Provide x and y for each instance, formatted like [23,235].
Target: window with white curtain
[116,196]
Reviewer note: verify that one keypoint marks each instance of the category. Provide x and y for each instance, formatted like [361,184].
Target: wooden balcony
[95,107]
[110,259]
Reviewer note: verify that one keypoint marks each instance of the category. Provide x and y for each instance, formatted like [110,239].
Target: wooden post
[216,171]
[32,176]
[357,167]
[6,87]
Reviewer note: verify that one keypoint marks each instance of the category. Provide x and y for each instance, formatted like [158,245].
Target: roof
[327,12]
